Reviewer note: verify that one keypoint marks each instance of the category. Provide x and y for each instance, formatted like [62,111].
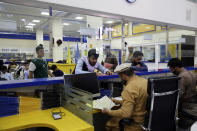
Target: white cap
[122,67]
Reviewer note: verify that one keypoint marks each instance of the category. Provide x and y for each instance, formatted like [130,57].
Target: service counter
[76,101]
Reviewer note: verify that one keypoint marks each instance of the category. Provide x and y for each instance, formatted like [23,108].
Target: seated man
[133,104]
[56,72]
[90,63]
[2,79]
[137,63]
[5,74]
[187,82]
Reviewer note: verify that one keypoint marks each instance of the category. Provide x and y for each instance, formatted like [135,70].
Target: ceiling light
[23,20]
[66,24]
[109,22]
[9,15]
[28,26]
[79,18]
[44,13]
[31,24]
[36,21]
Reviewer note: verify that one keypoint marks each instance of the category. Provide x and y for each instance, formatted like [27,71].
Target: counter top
[59,80]
[43,118]
[30,82]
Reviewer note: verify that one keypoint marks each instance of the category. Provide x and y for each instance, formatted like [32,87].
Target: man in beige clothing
[134,101]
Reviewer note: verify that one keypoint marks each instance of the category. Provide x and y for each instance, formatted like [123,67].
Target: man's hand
[105,111]
[109,73]
[138,66]
[116,101]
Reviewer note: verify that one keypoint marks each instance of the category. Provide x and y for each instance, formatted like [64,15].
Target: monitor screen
[87,82]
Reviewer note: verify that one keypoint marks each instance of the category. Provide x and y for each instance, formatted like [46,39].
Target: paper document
[102,103]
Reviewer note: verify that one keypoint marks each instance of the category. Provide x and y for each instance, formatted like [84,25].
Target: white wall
[22,45]
[166,11]
[26,46]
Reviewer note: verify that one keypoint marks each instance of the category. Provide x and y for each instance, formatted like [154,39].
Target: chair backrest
[162,103]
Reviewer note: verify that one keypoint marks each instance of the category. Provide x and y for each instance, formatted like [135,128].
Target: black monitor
[87,82]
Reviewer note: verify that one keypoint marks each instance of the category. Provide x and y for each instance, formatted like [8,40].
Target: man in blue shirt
[137,63]
[90,63]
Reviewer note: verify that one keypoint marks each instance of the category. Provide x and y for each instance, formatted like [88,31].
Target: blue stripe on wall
[32,36]
[46,37]
[71,39]
[18,36]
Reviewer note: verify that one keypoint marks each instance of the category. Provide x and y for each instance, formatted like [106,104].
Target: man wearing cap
[38,67]
[133,101]
[90,63]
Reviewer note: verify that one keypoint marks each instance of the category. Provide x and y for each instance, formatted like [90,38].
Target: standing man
[90,63]
[130,49]
[110,59]
[38,67]
[137,63]
[133,104]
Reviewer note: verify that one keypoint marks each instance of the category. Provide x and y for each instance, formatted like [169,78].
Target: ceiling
[23,15]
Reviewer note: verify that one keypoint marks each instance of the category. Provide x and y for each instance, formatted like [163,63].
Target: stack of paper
[102,103]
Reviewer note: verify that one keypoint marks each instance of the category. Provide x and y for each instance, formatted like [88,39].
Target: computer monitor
[87,82]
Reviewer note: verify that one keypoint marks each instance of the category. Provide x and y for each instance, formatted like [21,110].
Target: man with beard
[90,63]
[187,82]
[133,101]
[137,63]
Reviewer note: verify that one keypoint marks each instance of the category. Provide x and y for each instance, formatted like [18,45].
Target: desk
[194,127]
[43,118]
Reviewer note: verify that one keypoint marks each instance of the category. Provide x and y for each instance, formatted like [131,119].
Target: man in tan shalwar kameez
[133,101]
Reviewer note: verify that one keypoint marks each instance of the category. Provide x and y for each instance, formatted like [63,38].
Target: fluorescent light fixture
[23,20]
[44,13]
[79,18]
[66,24]
[109,22]
[36,21]
[28,26]
[31,24]
[10,15]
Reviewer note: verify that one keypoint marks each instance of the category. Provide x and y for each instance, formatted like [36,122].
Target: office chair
[162,103]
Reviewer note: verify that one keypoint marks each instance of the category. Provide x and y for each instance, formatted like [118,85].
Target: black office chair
[162,103]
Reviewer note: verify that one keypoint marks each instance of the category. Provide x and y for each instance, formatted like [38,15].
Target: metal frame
[177,98]
[152,102]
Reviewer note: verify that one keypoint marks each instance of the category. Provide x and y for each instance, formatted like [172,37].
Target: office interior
[24,27]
